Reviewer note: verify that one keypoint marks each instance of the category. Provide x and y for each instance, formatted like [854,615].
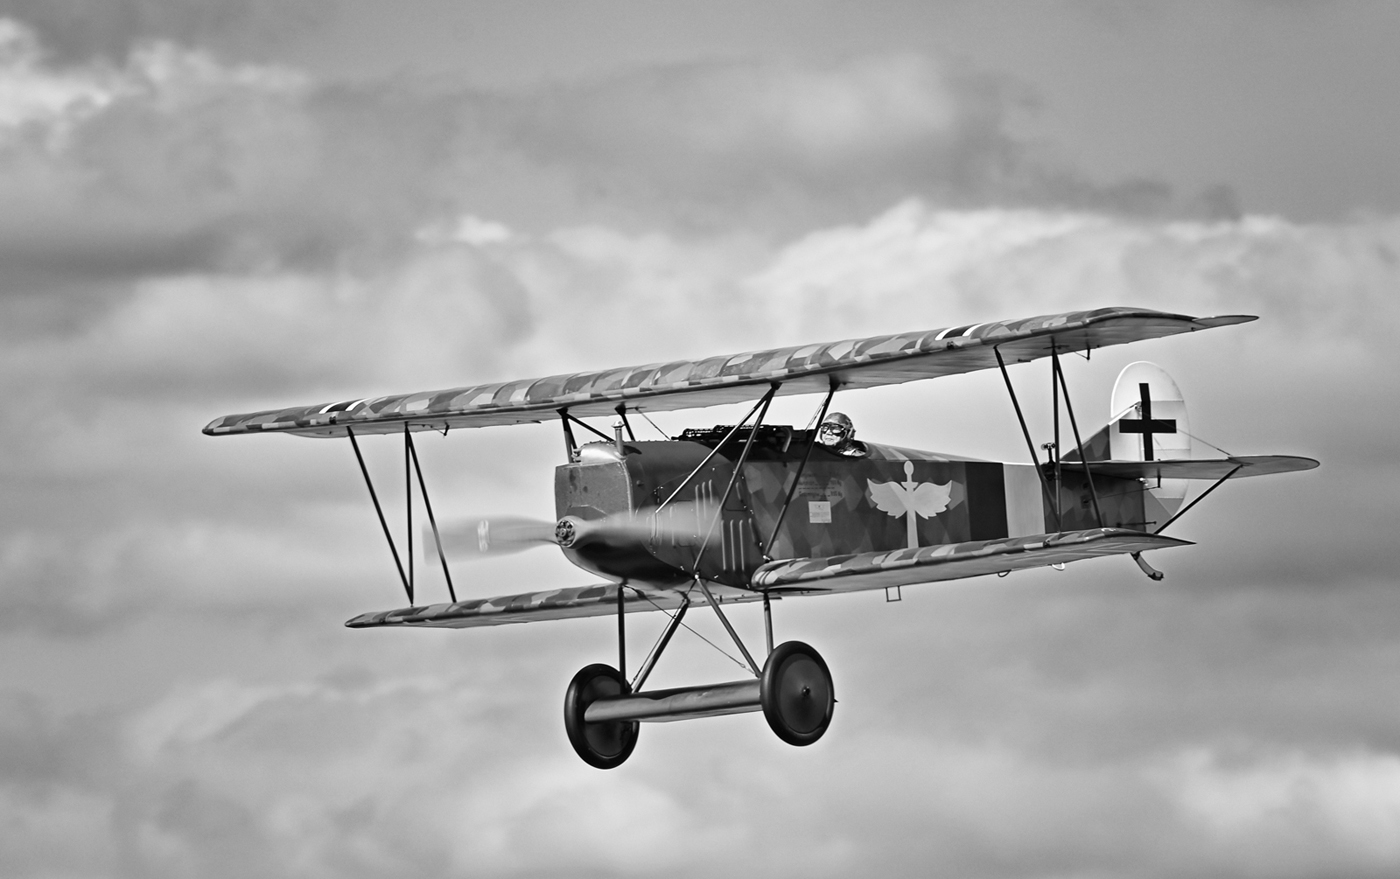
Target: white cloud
[985,263]
[29,93]
[468,229]
[827,116]
[1293,808]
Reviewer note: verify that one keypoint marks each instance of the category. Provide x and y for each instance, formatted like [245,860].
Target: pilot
[838,434]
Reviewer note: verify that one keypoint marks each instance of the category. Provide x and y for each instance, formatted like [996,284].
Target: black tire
[797,694]
[604,745]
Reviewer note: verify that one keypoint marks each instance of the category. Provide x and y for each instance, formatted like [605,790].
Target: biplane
[757,512]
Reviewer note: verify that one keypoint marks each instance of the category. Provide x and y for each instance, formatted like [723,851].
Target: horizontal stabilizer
[954,561]
[1214,468]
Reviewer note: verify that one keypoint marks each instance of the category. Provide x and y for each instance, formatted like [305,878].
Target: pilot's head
[836,431]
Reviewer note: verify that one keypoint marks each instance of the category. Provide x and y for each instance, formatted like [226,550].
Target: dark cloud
[792,148]
[194,166]
[40,753]
[218,835]
[77,32]
[1107,666]
[233,180]
[1220,202]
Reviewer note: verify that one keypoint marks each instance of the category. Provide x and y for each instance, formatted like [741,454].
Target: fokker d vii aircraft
[757,512]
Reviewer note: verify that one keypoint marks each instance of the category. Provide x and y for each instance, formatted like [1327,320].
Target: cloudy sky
[211,207]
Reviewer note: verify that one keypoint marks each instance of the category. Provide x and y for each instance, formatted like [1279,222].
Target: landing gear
[793,690]
[796,693]
[602,714]
[604,744]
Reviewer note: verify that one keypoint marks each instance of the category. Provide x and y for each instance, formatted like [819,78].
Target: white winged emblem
[911,499]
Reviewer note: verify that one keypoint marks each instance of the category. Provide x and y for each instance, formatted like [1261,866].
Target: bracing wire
[1212,445]
[686,626]
[811,422]
[652,423]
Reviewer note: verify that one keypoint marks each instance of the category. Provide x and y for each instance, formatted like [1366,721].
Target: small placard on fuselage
[819,512]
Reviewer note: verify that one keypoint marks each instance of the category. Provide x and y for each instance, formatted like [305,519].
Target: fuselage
[876,498]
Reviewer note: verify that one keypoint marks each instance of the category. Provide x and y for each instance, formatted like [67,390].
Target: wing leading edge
[855,363]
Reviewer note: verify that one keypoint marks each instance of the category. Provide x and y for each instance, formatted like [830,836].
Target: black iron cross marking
[1146,425]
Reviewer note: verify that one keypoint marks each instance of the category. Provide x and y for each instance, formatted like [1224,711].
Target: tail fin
[1148,425]
[1147,422]
[1147,419]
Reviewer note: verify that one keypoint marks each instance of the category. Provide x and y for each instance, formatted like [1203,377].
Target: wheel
[607,744]
[796,692]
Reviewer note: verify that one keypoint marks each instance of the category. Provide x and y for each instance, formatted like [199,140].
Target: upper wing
[1234,467]
[552,604]
[953,561]
[855,363]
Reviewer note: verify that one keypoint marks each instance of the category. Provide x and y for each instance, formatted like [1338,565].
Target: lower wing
[845,573]
[551,604]
[951,561]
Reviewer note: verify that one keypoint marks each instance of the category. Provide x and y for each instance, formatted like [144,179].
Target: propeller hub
[566,531]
